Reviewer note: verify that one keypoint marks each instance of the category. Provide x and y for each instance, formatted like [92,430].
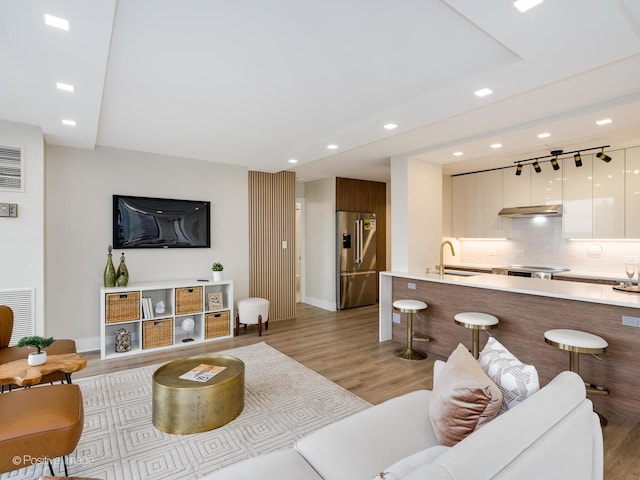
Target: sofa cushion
[280,464]
[516,380]
[406,465]
[464,398]
[365,443]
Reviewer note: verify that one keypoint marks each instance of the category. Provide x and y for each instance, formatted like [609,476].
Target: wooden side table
[20,373]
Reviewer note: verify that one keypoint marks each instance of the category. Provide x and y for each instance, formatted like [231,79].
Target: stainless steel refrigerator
[356,262]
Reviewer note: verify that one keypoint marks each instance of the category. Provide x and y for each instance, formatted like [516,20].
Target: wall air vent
[11,169]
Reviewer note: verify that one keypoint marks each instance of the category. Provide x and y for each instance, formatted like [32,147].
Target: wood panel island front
[526,308]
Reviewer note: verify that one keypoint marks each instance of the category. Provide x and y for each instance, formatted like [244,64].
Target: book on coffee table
[202,373]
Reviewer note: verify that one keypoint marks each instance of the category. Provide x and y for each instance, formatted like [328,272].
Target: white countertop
[585,292]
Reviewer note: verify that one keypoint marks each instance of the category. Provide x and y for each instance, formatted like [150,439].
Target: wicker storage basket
[188,300]
[157,333]
[216,325]
[122,307]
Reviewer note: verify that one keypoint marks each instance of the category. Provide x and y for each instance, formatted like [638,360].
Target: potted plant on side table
[217,271]
[40,356]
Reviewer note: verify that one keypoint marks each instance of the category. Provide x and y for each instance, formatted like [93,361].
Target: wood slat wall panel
[272,221]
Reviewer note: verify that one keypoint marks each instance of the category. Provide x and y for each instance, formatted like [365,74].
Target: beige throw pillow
[464,398]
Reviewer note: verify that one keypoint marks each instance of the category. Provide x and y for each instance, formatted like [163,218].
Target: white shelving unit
[209,304]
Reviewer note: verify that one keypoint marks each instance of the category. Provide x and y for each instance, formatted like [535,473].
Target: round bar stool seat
[409,307]
[576,342]
[476,321]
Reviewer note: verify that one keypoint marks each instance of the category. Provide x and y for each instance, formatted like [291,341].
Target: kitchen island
[526,308]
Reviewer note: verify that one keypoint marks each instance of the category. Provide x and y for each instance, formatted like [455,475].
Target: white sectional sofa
[554,434]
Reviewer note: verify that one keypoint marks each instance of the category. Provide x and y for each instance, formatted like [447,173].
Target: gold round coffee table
[189,406]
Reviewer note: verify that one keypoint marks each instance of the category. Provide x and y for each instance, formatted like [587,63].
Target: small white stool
[476,321]
[252,311]
[410,307]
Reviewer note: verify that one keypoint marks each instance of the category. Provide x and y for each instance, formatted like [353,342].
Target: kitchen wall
[538,241]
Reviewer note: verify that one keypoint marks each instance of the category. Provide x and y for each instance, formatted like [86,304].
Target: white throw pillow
[516,380]
[406,465]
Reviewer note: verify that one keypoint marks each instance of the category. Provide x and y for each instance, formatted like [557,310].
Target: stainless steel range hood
[532,211]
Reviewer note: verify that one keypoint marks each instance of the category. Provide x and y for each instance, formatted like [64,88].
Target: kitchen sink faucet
[441,266]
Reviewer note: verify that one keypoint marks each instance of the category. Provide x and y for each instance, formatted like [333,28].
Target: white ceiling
[255,83]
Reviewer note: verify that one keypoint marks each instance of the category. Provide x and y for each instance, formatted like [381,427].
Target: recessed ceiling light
[524,5]
[544,135]
[69,123]
[483,92]
[458,154]
[390,126]
[65,86]
[333,146]
[496,145]
[56,22]
[292,160]
[604,121]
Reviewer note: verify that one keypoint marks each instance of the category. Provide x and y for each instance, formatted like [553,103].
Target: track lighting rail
[552,158]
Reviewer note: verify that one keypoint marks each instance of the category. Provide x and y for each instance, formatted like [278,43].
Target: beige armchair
[9,354]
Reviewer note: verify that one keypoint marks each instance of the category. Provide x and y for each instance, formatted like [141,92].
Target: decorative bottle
[109,270]
[123,273]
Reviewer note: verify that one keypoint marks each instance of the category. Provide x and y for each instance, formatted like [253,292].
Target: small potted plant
[217,271]
[40,356]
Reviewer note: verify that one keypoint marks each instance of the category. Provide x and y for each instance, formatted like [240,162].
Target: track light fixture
[578,159]
[519,170]
[536,166]
[603,156]
[554,161]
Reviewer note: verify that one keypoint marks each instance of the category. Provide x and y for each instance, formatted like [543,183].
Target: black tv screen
[143,222]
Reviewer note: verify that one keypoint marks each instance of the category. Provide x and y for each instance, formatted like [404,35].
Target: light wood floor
[343,346]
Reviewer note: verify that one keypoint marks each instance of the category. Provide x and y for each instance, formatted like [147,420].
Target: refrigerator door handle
[356,247]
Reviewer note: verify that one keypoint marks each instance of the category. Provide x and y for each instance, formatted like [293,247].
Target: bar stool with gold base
[577,342]
[476,321]
[410,307]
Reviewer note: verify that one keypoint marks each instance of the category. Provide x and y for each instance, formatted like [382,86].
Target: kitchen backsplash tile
[539,242]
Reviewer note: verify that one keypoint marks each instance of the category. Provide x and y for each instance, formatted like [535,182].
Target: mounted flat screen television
[143,222]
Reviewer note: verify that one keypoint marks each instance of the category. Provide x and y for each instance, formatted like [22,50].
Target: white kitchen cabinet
[577,215]
[476,201]
[488,204]
[546,186]
[608,196]
[516,189]
[632,192]
[463,205]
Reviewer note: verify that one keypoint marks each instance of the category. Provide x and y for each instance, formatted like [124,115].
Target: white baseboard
[319,303]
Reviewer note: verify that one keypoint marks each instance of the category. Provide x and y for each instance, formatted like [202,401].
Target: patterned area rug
[284,401]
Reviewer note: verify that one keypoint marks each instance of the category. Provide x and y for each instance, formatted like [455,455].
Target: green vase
[109,271]
[123,273]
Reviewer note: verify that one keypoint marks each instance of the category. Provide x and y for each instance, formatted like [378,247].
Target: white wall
[80,185]
[416,214]
[21,238]
[320,243]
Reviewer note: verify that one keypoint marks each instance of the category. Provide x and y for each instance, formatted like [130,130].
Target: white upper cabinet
[516,189]
[488,204]
[546,186]
[577,215]
[477,199]
[463,206]
[632,193]
[608,196]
